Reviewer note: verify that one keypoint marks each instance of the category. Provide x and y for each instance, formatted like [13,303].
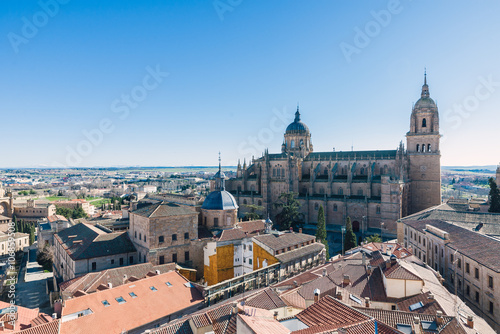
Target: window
[120,300]
[459,263]
[378,209]
[174,257]
[144,238]
[316,206]
[135,234]
[174,237]
[476,273]
[250,248]
[467,290]
[112,261]
[162,259]
[161,239]
[428,147]
[186,236]
[424,123]
[419,239]
[131,294]
[490,282]
[424,242]
[477,296]
[467,268]
[105,303]
[436,249]
[418,147]
[341,191]
[249,261]
[216,222]
[168,284]
[491,307]
[451,258]
[140,236]
[131,260]
[292,143]
[335,207]
[186,256]
[121,261]
[94,266]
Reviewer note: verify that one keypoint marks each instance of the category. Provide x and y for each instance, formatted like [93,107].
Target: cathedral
[373,188]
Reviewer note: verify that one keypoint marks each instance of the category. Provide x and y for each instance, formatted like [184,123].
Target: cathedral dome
[425,103]
[220,200]
[297,126]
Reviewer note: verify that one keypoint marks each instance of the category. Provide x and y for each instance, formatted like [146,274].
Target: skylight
[189,285]
[356,299]
[105,303]
[120,300]
[153,288]
[133,295]
[168,284]
[429,325]
[416,306]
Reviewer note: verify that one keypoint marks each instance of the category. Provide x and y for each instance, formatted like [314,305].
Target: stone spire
[220,178]
[425,87]
[297,114]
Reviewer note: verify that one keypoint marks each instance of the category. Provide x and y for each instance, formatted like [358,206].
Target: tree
[16,225]
[32,235]
[373,238]
[321,230]
[350,237]
[78,213]
[252,214]
[494,196]
[289,215]
[46,257]
[32,192]
[66,212]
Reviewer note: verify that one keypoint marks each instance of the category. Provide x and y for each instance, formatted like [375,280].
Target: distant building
[85,248]
[49,226]
[31,211]
[21,242]
[77,203]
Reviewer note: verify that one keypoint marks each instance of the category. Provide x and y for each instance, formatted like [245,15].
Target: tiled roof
[46,328]
[267,300]
[392,318]
[398,250]
[430,306]
[232,234]
[294,299]
[149,305]
[85,241]
[25,316]
[377,259]
[164,209]
[478,247]
[175,327]
[262,321]
[324,284]
[300,252]
[299,279]
[252,226]
[364,327]
[55,218]
[329,311]
[398,271]
[383,154]
[283,240]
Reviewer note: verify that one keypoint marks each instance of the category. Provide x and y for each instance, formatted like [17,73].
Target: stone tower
[423,153]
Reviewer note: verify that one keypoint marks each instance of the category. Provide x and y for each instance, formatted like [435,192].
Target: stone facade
[371,187]
[32,211]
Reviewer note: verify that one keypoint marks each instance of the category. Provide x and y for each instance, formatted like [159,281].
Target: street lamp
[382,224]
[342,229]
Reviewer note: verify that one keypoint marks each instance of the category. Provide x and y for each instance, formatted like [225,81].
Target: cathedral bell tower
[423,153]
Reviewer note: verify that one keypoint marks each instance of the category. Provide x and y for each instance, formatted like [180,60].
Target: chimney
[338,294]
[124,278]
[416,320]
[417,326]
[367,301]
[54,315]
[346,280]
[368,270]
[394,260]
[439,318]
[470,321]
[431,296]
[324,271]
[157,272]
[295,283]
[316,295]
[300,229]
[235,307]
[275,315]
[110,285]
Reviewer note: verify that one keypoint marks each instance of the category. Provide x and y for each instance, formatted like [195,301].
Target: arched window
[341,191]
[335,208]
[423,147]
[301,143]
[424,123]
[378,208]
[418,147]
[244,201]
[429,148]
[292,143]
[282,172]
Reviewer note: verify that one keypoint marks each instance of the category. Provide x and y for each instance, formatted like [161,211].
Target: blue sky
[207,76]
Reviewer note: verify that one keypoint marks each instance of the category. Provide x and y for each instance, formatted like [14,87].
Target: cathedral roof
[219,200]
[297,126]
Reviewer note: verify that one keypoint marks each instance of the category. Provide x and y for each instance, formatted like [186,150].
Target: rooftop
[278,241]
[164,209]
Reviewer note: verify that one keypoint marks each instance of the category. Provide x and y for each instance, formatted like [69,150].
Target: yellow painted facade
[259,255]
[221,265]
[189,274]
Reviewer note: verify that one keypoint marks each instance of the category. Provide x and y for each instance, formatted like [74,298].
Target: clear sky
[172,83]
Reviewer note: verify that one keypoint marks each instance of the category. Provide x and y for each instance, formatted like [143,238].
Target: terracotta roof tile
[329,311]
[267,300]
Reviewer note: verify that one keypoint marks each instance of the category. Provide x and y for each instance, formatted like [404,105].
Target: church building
[373,188]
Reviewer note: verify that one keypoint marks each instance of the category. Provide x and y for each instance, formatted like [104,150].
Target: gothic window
[274,172]
[282,172]
[341,191]
[424,123]
[378,208]
[335,208]
[418,147]
[428,147]
[292,144]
